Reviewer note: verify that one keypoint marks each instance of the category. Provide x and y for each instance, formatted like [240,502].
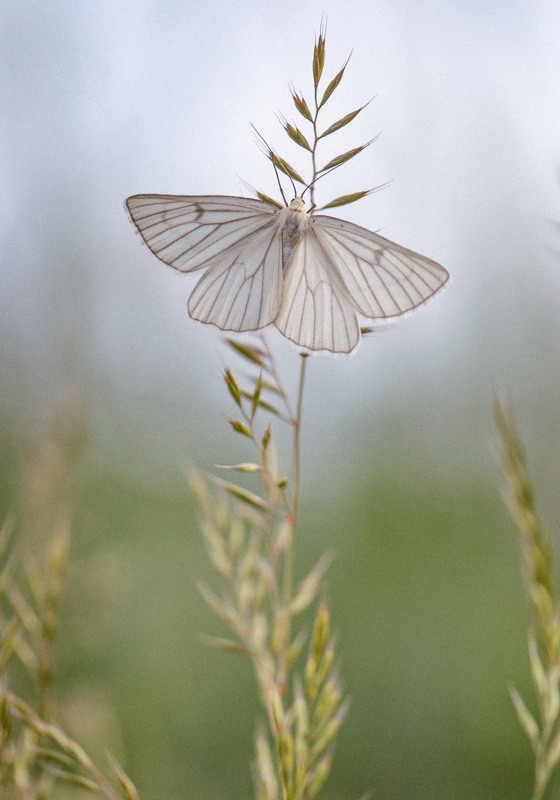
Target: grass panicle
[543,727]
[309,139]
[250,536]
[36,755]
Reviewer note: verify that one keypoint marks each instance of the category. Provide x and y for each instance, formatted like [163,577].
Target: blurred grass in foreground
[427,602]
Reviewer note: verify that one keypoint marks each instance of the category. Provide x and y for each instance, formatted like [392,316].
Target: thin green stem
[289,556]
[296,422]
[314,151]
[297,437]
[273,371]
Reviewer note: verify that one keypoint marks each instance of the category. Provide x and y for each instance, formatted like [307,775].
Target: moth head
[297,204]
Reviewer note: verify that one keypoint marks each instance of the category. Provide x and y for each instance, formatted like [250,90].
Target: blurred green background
[109,391]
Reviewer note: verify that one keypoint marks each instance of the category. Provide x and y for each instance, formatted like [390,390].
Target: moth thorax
[294,223]
[295,217]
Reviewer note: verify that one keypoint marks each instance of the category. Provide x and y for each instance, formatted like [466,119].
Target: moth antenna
[280,184]
[318,178]
[293,186]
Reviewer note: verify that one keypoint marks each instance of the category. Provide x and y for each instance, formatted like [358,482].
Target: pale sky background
[105,99]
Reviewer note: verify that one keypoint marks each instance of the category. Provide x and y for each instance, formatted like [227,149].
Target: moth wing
[241,291]
[382,278]
[316,311]
[191,232]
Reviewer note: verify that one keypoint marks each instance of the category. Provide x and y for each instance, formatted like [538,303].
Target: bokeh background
[105,379]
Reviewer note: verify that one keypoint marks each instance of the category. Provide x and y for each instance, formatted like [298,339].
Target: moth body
[293,224]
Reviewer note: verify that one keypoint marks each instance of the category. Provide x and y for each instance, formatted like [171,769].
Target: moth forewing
[191,232]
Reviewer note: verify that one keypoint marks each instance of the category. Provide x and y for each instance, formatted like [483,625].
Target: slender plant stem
[297,438]
[296,422]
[277,378]
[314,151]
[289,556]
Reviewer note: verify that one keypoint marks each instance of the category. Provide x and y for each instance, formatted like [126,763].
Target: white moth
[309,275]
